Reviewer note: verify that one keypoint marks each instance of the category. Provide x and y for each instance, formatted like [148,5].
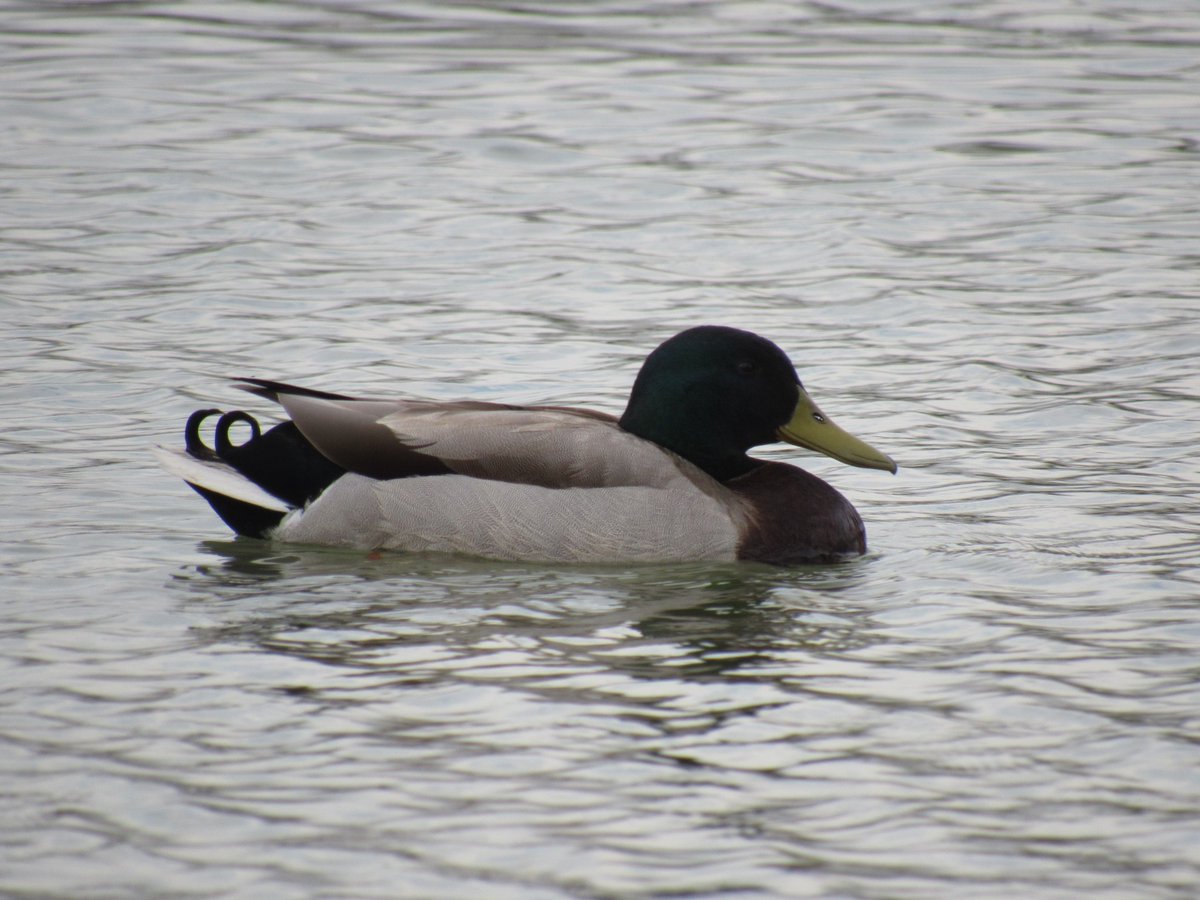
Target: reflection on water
[701,620]
[973,228]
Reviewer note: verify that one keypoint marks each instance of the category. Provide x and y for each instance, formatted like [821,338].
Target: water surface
[973,226]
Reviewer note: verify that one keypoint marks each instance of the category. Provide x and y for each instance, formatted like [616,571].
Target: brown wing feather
[555,448]
[540,445]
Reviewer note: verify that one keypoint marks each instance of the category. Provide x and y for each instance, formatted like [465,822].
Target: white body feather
[502,520]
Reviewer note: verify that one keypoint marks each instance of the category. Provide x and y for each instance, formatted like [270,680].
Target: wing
[553,447]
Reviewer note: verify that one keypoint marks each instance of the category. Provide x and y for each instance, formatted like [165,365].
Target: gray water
[974,226]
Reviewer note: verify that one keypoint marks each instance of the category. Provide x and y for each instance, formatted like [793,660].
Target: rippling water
[973,225]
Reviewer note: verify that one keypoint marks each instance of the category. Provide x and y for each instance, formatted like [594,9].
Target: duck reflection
[694,621]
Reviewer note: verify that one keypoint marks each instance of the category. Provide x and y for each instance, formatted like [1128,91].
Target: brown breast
[796,517]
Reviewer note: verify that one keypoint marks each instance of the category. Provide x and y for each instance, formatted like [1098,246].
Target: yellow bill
[812,429]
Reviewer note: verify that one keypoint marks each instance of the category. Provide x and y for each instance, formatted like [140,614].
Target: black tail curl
[280,460]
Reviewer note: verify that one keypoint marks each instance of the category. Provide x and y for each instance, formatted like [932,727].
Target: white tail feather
[217,477]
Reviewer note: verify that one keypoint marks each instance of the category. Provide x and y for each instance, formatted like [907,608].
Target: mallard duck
[668,480]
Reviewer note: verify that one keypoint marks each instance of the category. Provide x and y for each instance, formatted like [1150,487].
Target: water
[974,227]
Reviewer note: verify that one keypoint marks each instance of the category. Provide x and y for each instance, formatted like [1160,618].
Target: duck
[668,480]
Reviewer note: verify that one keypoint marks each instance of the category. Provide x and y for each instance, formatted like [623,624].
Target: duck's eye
[747,367]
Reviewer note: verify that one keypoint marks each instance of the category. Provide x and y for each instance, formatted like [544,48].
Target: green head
[711,393]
